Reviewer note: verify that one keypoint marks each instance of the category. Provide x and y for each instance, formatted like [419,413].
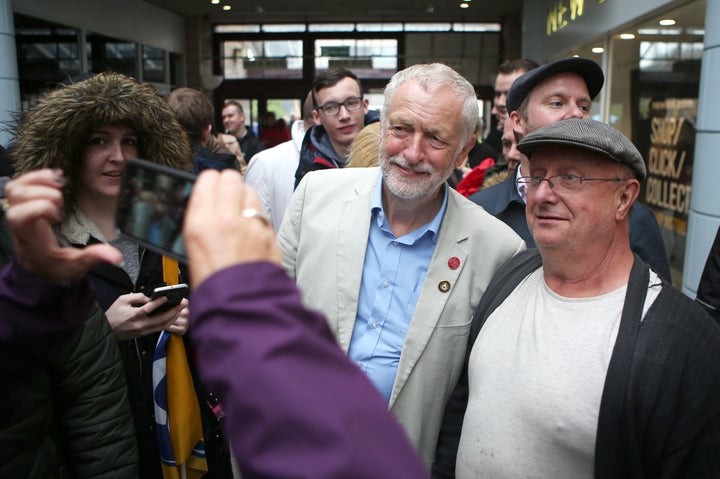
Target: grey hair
[430,77]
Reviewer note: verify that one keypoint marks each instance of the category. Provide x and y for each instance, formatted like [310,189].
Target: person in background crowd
[195,113]
[64,402]
[581,356]
[508,71]
[272,172]
[274,130]
[339,112]
[365,148]
[481,150]
[390,255]
[233,118]
[90,129]
[512,158]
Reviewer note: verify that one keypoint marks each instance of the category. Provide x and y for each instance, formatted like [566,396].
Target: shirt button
[374,325]
[385,284]
[395,243]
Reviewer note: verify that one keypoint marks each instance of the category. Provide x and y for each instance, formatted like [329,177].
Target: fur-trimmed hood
[53,133]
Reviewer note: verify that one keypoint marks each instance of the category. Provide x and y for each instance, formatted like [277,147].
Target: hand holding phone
[174,293]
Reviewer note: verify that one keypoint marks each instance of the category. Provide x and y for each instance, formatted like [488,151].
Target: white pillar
[9,84]
[704,217]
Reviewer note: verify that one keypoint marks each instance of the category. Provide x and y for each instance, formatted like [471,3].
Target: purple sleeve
[38,320]
[295,405]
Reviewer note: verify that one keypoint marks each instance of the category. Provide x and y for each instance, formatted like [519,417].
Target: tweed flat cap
[589,135]
[586,68]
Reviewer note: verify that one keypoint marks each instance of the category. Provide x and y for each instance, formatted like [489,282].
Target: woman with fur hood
[89,130]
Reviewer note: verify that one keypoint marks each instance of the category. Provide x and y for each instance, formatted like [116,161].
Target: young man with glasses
[339,112]
[582,361]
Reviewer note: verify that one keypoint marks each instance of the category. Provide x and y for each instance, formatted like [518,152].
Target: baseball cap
[586,68]
[589,135]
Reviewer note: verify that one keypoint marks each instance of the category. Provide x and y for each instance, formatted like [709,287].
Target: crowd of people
[351,314]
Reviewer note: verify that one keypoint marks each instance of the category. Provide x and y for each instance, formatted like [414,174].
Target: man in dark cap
[582,361]
[557,91]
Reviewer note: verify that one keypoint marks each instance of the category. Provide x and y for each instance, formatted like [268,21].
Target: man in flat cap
[584,363]
[557,91]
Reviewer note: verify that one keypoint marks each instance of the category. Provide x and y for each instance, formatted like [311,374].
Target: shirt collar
[522,190]
[433,227]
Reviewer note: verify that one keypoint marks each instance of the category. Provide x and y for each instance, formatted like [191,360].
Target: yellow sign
[562,12]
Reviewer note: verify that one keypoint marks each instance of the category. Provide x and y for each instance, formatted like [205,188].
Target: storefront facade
[652,53]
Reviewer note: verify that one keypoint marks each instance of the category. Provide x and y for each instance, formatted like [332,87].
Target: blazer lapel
[351,246]
[434,294]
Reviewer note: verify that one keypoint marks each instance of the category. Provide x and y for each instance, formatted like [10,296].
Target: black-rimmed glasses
[332,108]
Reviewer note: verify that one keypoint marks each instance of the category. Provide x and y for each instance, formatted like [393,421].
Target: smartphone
[151,206]
[174,293]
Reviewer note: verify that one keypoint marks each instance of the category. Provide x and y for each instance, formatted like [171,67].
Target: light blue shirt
[393,275]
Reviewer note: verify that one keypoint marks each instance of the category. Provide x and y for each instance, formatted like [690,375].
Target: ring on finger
[255,213]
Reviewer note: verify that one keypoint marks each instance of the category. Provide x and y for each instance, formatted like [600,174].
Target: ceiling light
[226,7]
[598,49]
[627,36]
[464,5]
[214,2]
[666,22]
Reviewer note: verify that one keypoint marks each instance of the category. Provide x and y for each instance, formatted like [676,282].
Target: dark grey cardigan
[660,409]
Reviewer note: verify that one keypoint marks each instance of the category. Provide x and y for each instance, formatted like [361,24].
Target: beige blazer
[323,239]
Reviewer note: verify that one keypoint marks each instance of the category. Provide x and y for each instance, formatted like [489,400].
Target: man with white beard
[394,258]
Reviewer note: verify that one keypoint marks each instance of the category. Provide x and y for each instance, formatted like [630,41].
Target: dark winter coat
[250,145]
[75,420]
[204,159]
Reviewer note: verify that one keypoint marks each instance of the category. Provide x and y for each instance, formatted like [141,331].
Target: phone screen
[151,206]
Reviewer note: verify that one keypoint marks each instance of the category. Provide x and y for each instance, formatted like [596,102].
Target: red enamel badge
[454,262]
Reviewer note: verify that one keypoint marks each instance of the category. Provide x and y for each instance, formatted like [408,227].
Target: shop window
[259,59]
[47,53]
[153,64]
[109,54]
[367,58]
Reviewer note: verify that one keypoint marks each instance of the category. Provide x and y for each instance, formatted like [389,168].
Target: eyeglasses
[563,182]
[332,108]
